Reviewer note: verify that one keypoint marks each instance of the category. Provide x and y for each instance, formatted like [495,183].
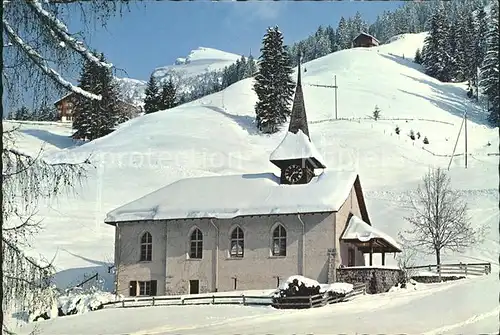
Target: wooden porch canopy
[368,239]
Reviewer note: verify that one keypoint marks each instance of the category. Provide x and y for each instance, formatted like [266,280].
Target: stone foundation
[435,279]
[377,279]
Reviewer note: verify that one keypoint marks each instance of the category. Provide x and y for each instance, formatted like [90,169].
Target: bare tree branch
[41,62]
[61,31]
[440,221]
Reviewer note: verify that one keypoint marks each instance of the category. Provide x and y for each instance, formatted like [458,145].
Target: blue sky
[159,32]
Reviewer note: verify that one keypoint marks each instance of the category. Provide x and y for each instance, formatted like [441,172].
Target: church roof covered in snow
[231,196]
[359,230]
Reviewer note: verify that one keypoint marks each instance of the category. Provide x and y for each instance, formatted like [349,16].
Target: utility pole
[465,124]
[456,142]
[334,86]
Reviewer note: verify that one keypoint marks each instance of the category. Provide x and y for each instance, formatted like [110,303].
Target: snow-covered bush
[426,141]
[418,135]
[336,290]
[397,130]
[77,301]
[412,134]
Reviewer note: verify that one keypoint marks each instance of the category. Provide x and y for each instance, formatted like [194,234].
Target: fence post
[123,303]
[310,302]
[213,299]
[466,270]
[244,302]
[153,301]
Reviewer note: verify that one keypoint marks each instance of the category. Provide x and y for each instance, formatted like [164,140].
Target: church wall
[180,268]
[127,255]
[351,205]
[258,269]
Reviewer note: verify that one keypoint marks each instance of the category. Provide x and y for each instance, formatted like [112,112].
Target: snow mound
[80,302]
[307,282]
[340,288]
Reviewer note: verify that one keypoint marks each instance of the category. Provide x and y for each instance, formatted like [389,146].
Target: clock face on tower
[294,173]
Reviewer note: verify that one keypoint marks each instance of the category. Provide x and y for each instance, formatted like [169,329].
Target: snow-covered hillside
[197,62]
[203,138]
[132,90]
[185,72]
[462,307]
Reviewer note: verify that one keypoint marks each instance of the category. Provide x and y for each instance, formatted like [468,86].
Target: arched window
[196,250]
[279,241]
[237,243]
[146,247]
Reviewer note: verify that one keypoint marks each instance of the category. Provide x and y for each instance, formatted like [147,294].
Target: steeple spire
[298,119]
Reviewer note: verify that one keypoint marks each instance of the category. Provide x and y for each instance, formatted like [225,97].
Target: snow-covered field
[202,138]
[462,307]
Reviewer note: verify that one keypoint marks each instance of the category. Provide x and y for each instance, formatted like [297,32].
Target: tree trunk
[438,262]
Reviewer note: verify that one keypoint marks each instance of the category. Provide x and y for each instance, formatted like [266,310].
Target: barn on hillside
[364,40]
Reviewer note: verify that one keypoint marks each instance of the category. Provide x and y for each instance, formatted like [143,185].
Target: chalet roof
[366,34]
[297,143]
[230,196]
[64,97]
[358,230]
[119,99]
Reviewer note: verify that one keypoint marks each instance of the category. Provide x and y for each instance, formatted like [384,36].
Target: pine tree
[22,114]
[152,98]
[168,95]
[322,46]
[96,118]
[251,68]
[435,58]
[489,71]
[109,112]
[343,36]
[273,83]
[453,63]
[418,57]
[241,68]
[83,108]
[332,37]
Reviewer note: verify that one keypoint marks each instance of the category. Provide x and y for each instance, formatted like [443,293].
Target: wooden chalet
[364,40]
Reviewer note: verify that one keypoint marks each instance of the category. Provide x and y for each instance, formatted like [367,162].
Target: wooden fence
[193,300]
[457,269]
[317,300]
[245,300]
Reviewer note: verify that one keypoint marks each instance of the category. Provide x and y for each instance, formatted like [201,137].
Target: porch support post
[371,253]
[383,258]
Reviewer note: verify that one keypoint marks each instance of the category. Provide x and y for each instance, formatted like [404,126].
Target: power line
[334,86]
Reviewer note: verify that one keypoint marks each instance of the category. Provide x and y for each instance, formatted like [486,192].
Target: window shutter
[153,287]
[133,289]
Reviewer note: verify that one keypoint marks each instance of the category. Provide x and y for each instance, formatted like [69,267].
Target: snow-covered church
[257,230]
